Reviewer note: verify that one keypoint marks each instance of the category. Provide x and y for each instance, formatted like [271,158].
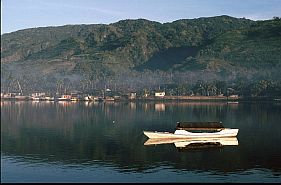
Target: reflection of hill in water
[86,135]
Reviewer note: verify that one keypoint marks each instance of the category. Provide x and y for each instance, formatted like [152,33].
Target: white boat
[65,98]
[186,130]
[186,134]
[91,98]
[21,97]
[35,98]
[48,98]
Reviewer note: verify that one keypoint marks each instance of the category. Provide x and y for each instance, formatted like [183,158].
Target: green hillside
[142,53]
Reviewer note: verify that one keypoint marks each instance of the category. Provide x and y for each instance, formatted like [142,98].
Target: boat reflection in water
[198,143]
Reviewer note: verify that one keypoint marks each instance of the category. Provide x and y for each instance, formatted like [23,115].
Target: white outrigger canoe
[184,130]
[227,132]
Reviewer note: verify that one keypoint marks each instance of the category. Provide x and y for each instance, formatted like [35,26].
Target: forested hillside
[142,54]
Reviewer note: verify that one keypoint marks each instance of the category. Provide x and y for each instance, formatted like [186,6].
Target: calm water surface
[104,142]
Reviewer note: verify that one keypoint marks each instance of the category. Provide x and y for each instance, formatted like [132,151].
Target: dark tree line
[174,84]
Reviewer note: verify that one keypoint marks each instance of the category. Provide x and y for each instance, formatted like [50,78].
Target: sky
[22,14]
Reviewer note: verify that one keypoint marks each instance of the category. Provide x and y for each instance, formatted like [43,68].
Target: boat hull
[186,134]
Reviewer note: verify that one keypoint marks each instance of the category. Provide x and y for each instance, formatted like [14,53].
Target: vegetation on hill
[142,54]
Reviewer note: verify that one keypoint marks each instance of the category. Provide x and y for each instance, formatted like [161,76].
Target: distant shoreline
[175,98]
[212,99]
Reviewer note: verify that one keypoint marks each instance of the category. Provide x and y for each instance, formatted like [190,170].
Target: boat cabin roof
[199,125]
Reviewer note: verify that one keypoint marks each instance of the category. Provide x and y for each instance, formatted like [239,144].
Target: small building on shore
[160,94]
[132,96]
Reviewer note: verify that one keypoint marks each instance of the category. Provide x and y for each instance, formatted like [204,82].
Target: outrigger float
[195,130]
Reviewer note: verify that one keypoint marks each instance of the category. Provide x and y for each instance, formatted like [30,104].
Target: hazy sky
[21,14]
